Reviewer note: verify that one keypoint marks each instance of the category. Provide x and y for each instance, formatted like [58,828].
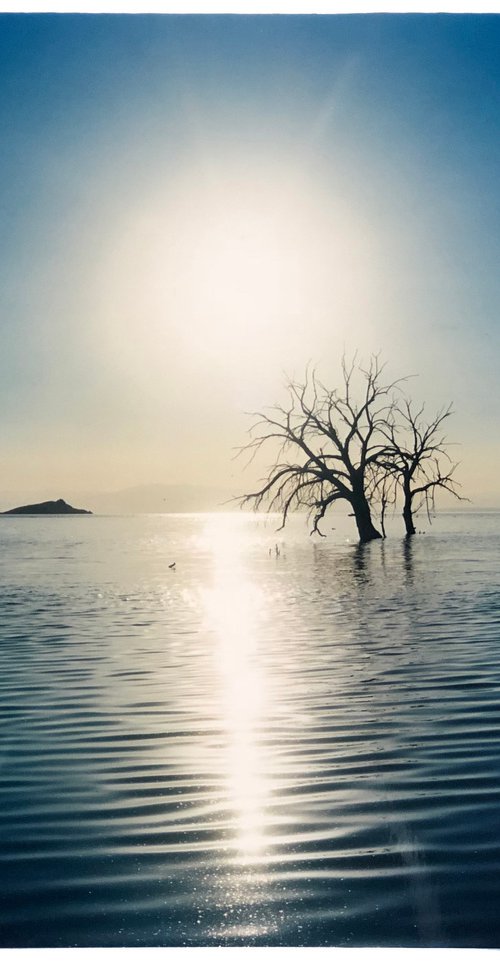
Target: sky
[193,206]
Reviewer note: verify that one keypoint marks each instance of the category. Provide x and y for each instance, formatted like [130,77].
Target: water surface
[298,747]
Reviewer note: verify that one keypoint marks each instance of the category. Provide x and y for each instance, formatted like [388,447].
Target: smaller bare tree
[416,452]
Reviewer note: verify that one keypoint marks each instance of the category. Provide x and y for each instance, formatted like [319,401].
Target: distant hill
[148,498]
[49,506]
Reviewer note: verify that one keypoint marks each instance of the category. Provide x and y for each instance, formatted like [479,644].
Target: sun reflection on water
[235,609]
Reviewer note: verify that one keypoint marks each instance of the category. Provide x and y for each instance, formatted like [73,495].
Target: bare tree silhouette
[365,444]
[330,447]
[417,449]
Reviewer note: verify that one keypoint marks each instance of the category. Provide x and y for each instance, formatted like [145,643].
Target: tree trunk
[362,515]
[408,515]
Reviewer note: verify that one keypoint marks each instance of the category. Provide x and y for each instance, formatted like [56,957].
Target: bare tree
[330,447]
[416,452]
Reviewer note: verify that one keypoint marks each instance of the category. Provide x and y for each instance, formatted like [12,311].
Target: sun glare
[239,261]
[232,262]
[233,605]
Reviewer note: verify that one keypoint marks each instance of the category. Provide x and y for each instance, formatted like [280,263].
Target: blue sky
[191,205]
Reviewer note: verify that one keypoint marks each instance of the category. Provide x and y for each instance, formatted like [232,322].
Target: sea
[215,733]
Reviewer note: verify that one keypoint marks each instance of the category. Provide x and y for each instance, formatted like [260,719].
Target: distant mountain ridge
[47,507]
[161,498]
[142,498]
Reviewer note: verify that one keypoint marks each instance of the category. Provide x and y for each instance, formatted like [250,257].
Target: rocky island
[50,506]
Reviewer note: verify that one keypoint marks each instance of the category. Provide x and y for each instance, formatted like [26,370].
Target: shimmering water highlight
[292,748]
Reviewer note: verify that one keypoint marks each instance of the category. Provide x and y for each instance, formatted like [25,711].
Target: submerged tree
[330,447]
[416,452]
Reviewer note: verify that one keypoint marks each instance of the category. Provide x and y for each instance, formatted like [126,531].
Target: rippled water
[299,748]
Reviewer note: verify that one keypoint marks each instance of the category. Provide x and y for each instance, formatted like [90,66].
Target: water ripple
[292,750]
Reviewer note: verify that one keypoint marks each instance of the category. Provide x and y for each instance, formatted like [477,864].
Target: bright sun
[234,258]
[220,263]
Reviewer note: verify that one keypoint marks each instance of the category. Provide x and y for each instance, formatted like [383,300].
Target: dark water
[251,749]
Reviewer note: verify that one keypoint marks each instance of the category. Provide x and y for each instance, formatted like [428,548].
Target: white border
[249,6]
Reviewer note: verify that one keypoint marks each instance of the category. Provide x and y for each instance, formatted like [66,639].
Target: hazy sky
[193,204]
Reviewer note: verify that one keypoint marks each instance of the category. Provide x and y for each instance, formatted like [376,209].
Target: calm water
[293,749]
